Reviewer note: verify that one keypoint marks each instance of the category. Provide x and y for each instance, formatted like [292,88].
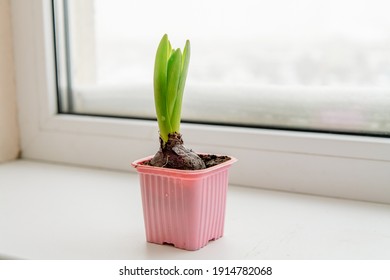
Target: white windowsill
[52,211]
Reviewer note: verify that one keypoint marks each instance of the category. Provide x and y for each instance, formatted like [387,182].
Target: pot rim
[137,164]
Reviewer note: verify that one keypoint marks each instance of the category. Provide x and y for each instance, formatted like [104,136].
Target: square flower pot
[183,208]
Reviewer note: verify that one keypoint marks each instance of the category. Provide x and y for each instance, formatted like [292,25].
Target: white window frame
[353,167]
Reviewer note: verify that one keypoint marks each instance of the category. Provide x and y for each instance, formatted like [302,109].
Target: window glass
[318,65]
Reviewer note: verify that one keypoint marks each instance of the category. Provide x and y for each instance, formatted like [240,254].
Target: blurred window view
[313,65]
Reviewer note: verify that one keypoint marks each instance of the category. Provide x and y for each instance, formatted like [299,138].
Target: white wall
[9,134]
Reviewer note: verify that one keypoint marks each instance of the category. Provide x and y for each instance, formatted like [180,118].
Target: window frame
[345,166]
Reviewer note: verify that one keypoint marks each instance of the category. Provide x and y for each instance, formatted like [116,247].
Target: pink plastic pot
[183,208]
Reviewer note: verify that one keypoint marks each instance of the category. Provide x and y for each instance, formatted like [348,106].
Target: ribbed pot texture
[183,208]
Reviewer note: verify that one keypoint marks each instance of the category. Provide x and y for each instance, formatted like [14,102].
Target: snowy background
[311,64]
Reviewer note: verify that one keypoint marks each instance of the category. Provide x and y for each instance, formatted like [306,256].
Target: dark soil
[212,160]
[208,160]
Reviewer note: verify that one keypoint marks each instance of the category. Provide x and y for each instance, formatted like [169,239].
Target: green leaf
[160,87]
[176,116]
[169,49]
[174,71]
